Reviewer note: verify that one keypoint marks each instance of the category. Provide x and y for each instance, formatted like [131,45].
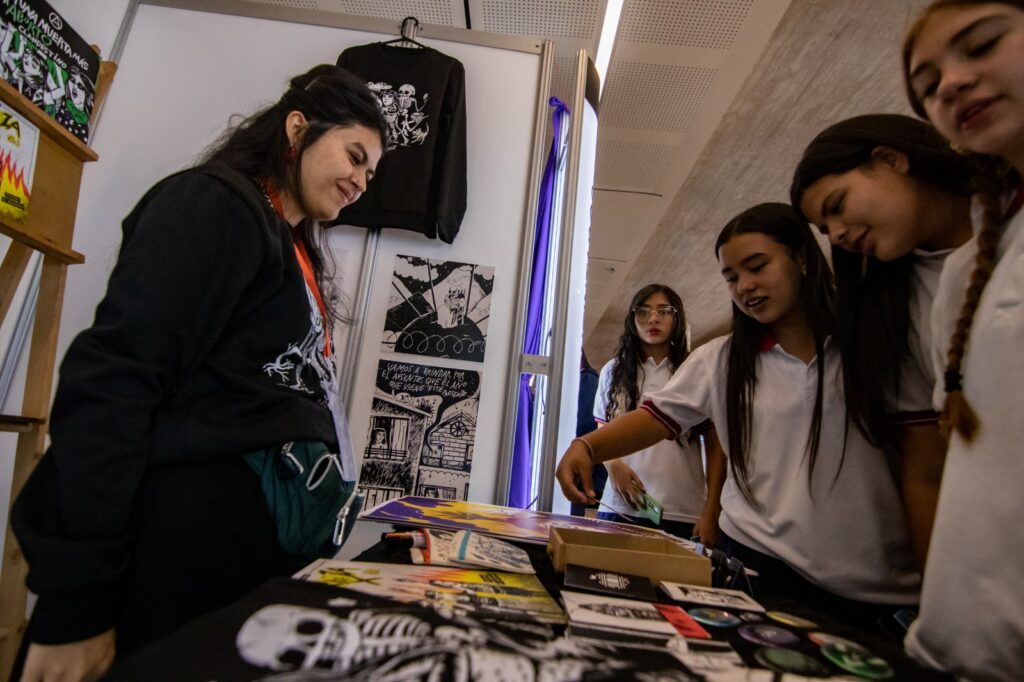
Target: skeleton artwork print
[404,113]
[401,644]
[305,361]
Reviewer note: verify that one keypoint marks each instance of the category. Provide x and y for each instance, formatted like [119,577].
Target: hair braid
[957,412]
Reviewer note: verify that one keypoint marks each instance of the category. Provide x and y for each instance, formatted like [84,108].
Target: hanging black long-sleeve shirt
[420,183]
[205,346]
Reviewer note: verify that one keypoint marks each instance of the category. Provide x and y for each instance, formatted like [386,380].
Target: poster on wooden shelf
[19,142]
[438,309]
[422,432]
[45,60]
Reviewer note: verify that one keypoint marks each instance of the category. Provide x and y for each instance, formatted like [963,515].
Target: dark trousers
[681,529]
[203,538]
[776,579]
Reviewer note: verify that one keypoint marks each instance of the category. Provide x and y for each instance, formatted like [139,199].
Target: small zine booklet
[432,547]
[604,617]
[609,582]
[711,596]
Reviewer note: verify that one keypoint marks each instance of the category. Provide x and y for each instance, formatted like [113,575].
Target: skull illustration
[283,638]
[406,94]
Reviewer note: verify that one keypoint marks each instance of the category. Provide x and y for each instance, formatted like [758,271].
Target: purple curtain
[522,455]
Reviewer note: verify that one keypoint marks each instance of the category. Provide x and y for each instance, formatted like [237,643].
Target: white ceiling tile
[543,18]
[659,97]
[693,23]
[629,165]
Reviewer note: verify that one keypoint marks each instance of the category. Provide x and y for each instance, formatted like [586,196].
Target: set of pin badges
[777,644]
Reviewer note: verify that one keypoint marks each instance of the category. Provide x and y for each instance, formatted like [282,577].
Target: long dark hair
[624,391]
[817,297]
[258,146]
[956,412]
[874,296]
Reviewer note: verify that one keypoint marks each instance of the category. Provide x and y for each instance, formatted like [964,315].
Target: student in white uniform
[808,502]
[894,201]
[964,69]
[651,347]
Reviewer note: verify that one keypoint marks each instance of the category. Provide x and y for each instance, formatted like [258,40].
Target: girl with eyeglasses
[652,346]
[809,503]
[964,71]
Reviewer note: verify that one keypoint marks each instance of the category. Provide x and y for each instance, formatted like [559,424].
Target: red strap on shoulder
[305,264]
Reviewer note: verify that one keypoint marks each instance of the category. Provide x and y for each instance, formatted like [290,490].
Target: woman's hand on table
[82,661]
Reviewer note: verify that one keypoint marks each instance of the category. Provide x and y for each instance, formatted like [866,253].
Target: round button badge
[857,660]
[768,635]
[789,661]
[714,617]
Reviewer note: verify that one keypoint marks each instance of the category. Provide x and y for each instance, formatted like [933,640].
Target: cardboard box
[655,558]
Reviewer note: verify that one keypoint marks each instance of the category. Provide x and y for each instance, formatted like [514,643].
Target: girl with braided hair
[963,65]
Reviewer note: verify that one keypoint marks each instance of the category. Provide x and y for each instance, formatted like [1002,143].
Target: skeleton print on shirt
[404,113]
[304,362]
[303,366]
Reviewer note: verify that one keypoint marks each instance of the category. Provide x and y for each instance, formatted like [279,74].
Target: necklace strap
[273,199]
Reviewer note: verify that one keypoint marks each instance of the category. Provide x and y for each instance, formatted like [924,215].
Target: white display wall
[184,73]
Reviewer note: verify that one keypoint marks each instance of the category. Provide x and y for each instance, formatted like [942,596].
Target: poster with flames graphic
[19,141]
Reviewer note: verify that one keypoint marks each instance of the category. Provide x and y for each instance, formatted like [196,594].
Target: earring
[289,155]
[958,149]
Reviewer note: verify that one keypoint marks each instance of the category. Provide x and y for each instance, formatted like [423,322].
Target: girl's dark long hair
[817,297]
[874,296]
[624,391]
[329,97]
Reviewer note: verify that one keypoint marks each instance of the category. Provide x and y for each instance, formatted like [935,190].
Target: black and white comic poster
[438,309]
[421,433]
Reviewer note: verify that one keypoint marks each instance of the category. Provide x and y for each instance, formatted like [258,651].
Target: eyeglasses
[642,313]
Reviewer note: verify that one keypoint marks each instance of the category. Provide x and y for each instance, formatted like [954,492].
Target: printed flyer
[19,142]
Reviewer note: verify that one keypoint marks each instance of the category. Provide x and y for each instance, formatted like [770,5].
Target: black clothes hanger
[408,39]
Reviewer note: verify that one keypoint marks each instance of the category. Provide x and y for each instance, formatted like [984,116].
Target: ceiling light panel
[622,164]
[543,18]
[692,23]
[658,97]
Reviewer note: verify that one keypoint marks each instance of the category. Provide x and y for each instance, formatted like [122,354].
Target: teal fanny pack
[307,497]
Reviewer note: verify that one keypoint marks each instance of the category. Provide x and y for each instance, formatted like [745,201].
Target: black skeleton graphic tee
[421,181]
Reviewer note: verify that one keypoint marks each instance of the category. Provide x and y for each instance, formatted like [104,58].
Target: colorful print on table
[422,432]
[438,308]
[453,591]
[505,522]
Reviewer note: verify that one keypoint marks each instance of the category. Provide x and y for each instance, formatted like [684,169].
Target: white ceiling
[706,106]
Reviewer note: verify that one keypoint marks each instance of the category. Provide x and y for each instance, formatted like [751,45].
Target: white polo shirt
[850,536]
[972,603]
[672,473]
[917,379]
